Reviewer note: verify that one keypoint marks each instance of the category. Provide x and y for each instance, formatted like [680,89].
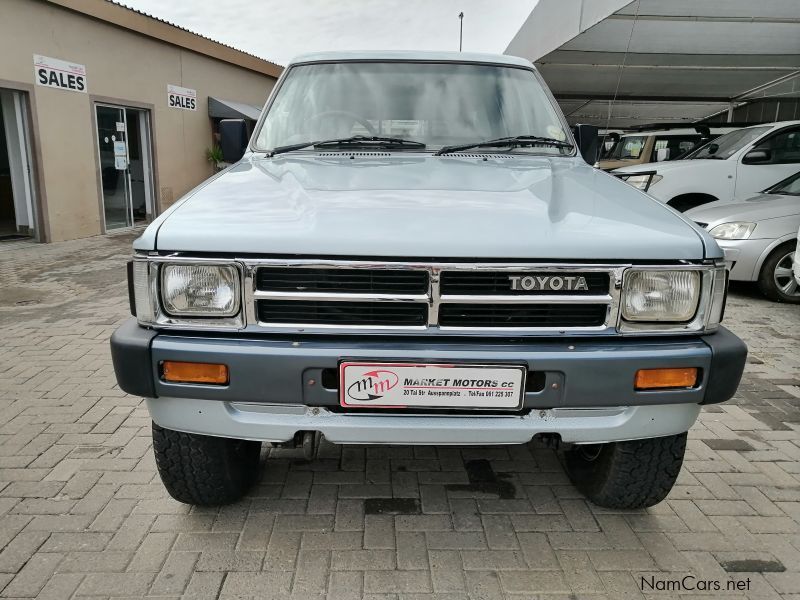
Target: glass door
[17,215]
[112,141]
[139,164]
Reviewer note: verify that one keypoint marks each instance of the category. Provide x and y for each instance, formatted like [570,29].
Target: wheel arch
[690,196]
[768,250]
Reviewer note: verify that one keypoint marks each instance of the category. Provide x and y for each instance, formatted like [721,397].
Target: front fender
[777,242]
[718,183]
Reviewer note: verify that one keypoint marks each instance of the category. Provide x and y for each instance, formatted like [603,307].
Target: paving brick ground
[83,514]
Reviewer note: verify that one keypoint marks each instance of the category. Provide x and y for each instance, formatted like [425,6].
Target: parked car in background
[797,260]
[732,167]
[759,236]
[642,147]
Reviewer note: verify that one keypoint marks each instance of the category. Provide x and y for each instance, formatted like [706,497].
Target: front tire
[204,470]
[634,474]
[776,280]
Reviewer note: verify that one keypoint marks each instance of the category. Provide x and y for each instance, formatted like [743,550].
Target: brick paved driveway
[83,514]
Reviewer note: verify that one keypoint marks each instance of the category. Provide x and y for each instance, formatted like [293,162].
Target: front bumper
[271,423]
[276,385]
[742,257]
[796,264]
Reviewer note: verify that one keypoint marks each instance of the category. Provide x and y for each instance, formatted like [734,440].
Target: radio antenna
[460,29]
[619,75]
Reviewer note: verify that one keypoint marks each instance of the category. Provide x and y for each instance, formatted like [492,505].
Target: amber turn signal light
[191,372]
[650,379]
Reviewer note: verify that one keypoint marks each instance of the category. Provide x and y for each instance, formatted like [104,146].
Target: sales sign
[52,72]
[181,97]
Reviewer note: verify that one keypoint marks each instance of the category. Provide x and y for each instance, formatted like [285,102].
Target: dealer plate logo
[372,385]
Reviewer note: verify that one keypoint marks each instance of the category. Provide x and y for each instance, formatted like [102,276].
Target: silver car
[759,237]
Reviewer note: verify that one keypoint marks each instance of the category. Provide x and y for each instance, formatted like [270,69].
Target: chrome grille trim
[343,297]
[433,297]
[522,299]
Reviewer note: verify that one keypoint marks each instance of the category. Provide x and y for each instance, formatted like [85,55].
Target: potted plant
[214,156]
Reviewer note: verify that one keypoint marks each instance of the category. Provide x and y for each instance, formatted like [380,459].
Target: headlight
[738,230]
[644,182]
[200,290]
[655,296]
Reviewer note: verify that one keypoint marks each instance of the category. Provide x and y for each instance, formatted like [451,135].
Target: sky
[277,30]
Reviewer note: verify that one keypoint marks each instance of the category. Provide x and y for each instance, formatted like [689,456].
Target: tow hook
[310,444]
[551,440]
[307,440]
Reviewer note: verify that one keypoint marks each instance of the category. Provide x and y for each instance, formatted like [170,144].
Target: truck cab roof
[409,55]
[674,132]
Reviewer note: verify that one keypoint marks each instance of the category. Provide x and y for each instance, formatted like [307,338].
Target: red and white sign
[402,385]
[52,72]
[181,97]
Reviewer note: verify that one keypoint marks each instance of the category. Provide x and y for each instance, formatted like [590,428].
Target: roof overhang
[228,109]
[128,18]
[676,60]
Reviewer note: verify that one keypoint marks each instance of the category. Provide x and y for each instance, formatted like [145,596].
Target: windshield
[627,147]
[438,104]
[790,187]
[729,144]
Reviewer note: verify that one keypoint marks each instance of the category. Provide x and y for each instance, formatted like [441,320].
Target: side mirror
[662,154]
[232,139]
[588,142]
[755,157]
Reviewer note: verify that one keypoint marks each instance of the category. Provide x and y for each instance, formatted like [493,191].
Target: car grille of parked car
[459,298]
[357,281]
[699,224]
[522,315]
[342,313]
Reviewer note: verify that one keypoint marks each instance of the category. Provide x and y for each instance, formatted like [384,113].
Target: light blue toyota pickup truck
[410,249]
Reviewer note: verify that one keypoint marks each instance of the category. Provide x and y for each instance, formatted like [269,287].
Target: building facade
[107,114]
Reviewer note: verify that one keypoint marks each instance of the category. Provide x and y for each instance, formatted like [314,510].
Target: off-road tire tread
[629,475]
[766,284]
[204,470]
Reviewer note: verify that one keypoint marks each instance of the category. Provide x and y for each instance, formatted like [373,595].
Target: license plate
[403,385]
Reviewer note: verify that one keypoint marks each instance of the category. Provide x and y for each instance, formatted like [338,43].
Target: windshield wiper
[356,140]
[517,140]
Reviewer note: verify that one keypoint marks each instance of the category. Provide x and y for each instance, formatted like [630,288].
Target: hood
[423,206]
[757,208]
[661,167]
[610,165]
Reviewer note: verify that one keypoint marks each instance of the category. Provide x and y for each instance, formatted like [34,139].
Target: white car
[732,167]
[796,267]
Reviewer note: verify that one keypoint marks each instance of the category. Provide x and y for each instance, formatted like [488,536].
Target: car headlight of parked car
[643,182]
[204,290]
[659,300]
[171,293]
[660,295]
[738,230]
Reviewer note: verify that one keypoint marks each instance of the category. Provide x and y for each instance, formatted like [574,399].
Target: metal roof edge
[120,15]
